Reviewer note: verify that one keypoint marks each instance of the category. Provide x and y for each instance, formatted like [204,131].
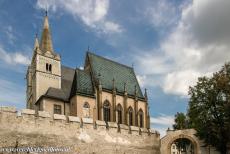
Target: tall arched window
[106,110]
[141,118]
[86,110]
[130,113]
[119,114]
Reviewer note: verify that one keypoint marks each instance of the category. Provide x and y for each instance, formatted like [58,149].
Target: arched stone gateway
[197,146]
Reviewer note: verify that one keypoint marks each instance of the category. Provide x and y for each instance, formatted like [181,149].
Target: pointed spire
[36,43]
[113,84]
[46,41]
[146,96]
[125,88]
[135,93]
[99,82]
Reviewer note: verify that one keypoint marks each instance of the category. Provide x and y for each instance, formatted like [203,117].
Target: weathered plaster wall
[81,135]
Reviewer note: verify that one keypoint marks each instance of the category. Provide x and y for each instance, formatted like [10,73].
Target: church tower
[45,69]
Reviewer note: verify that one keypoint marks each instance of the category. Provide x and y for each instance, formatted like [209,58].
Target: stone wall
[81,135]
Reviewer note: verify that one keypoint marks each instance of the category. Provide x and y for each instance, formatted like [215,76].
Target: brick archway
[171,136]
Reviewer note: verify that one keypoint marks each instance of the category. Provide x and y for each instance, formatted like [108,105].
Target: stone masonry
[79,135]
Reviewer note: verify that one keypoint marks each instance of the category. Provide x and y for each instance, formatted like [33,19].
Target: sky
[170,43]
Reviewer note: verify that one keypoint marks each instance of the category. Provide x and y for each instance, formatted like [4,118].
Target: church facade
[103,90]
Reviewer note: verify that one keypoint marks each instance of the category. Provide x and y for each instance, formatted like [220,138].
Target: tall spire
[36,43]
[46,41]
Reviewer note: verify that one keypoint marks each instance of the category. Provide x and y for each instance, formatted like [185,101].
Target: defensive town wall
[79,135]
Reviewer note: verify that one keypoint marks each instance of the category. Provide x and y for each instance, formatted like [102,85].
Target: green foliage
[209,108]
[184,145]
[181,121]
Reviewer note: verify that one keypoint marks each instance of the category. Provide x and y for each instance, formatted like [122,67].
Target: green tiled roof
[108,70]
[82,83]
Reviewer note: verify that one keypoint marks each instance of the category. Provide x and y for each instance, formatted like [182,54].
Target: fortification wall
[79,135]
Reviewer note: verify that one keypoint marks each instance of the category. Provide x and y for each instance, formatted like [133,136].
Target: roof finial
[146,96]
[125,87]
[135,92]
[36,43]
[113,84]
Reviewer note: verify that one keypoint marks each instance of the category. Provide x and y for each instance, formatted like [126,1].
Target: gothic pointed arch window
[119,114]
[141,118]
[130,114]
[106,110]
[86,110]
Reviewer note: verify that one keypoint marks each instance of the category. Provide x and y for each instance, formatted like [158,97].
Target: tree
[181,121]
[209,108]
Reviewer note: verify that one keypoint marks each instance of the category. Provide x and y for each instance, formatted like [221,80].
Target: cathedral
[103,90]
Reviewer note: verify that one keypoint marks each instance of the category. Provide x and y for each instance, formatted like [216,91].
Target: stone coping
[8,109]
[74,119]
[59,117]
[28,111]
[100,123]
[144,130]
[134,128]
[112,124]
[87,120]
[44,114]
[123,126]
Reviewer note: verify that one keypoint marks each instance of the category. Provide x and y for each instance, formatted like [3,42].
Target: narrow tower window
[50,68]
[47,66]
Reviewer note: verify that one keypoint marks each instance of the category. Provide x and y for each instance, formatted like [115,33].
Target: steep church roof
[82,84]
[106,70]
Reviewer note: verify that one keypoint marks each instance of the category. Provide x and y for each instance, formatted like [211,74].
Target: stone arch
[193,141]
[172,136]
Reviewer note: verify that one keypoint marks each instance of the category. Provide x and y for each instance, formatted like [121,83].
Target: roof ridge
[109,60]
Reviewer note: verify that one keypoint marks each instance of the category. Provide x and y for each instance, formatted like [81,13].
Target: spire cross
[46,12]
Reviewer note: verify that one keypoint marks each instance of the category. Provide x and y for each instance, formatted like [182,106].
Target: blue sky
[169,42]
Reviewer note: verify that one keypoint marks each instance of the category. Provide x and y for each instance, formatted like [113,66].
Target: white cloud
[163,120]
[13,58]
[10,34]
[197,46]
[93,13]
[11,93]
[161,13]
[110,26]
[162,123]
